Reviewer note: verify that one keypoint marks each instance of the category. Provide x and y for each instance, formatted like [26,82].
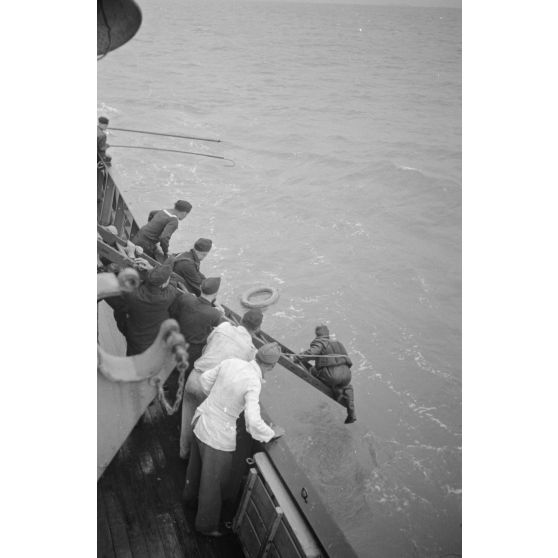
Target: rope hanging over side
[181,358]
[171,409]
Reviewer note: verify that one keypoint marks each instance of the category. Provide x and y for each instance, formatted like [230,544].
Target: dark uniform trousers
[342,391]
[190,403]
[208,483]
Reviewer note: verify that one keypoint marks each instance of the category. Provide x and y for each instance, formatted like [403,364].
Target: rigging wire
[162,134]
[176,151]
[306,355]
[285,354]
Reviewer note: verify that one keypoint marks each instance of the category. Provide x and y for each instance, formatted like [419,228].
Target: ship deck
[139,508]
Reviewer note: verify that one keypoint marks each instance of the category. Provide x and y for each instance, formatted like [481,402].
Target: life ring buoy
[272,298]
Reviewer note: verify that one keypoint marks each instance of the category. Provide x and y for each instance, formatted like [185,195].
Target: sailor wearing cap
[197,316]
[225,341]
[139,314]
[187,265]
[160,228]
[333,368]
[102,145]
[231,387]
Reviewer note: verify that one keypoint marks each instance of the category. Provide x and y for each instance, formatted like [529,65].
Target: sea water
[344,124]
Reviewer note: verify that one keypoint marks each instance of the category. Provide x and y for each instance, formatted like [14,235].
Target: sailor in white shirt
[232,387]
[225,341]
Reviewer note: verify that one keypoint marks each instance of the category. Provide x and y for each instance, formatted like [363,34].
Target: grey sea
[344,123]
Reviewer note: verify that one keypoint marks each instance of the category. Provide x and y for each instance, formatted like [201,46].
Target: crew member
[225,341]
[187,265]
[197,316]
[231,387]
[139,314]
[334,371]
[102,145]
[160,228]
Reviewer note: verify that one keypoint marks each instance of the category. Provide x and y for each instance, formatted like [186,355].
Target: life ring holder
[271,299]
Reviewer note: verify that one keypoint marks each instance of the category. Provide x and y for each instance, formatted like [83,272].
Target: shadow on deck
[139,509]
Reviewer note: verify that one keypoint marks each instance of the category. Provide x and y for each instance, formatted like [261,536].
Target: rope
[176,151]
[171,409]
[166,135]
[233,320]
[306,355]
[181,359]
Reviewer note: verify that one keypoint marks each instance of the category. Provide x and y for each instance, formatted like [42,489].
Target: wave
[104,109]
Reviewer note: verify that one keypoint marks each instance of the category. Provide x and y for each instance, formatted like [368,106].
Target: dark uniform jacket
[140,314]
[196,318]
[187,265]
[334,371]
[101,141]
[159,229]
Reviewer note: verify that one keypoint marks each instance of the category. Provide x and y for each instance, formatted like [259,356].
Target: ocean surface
[344,123]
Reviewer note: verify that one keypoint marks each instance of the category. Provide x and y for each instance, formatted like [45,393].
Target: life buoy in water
[273,297]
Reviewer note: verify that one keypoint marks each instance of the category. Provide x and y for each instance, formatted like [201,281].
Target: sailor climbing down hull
[333,370]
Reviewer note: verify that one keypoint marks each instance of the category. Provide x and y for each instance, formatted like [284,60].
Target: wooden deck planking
[141,513]
[142,502]
[171,486]
[136,537]
[104,543]
[138,493]
[169,536]
[117,525]
[186,534]
[141,473]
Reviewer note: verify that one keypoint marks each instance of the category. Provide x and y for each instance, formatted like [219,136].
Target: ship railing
[111,207]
